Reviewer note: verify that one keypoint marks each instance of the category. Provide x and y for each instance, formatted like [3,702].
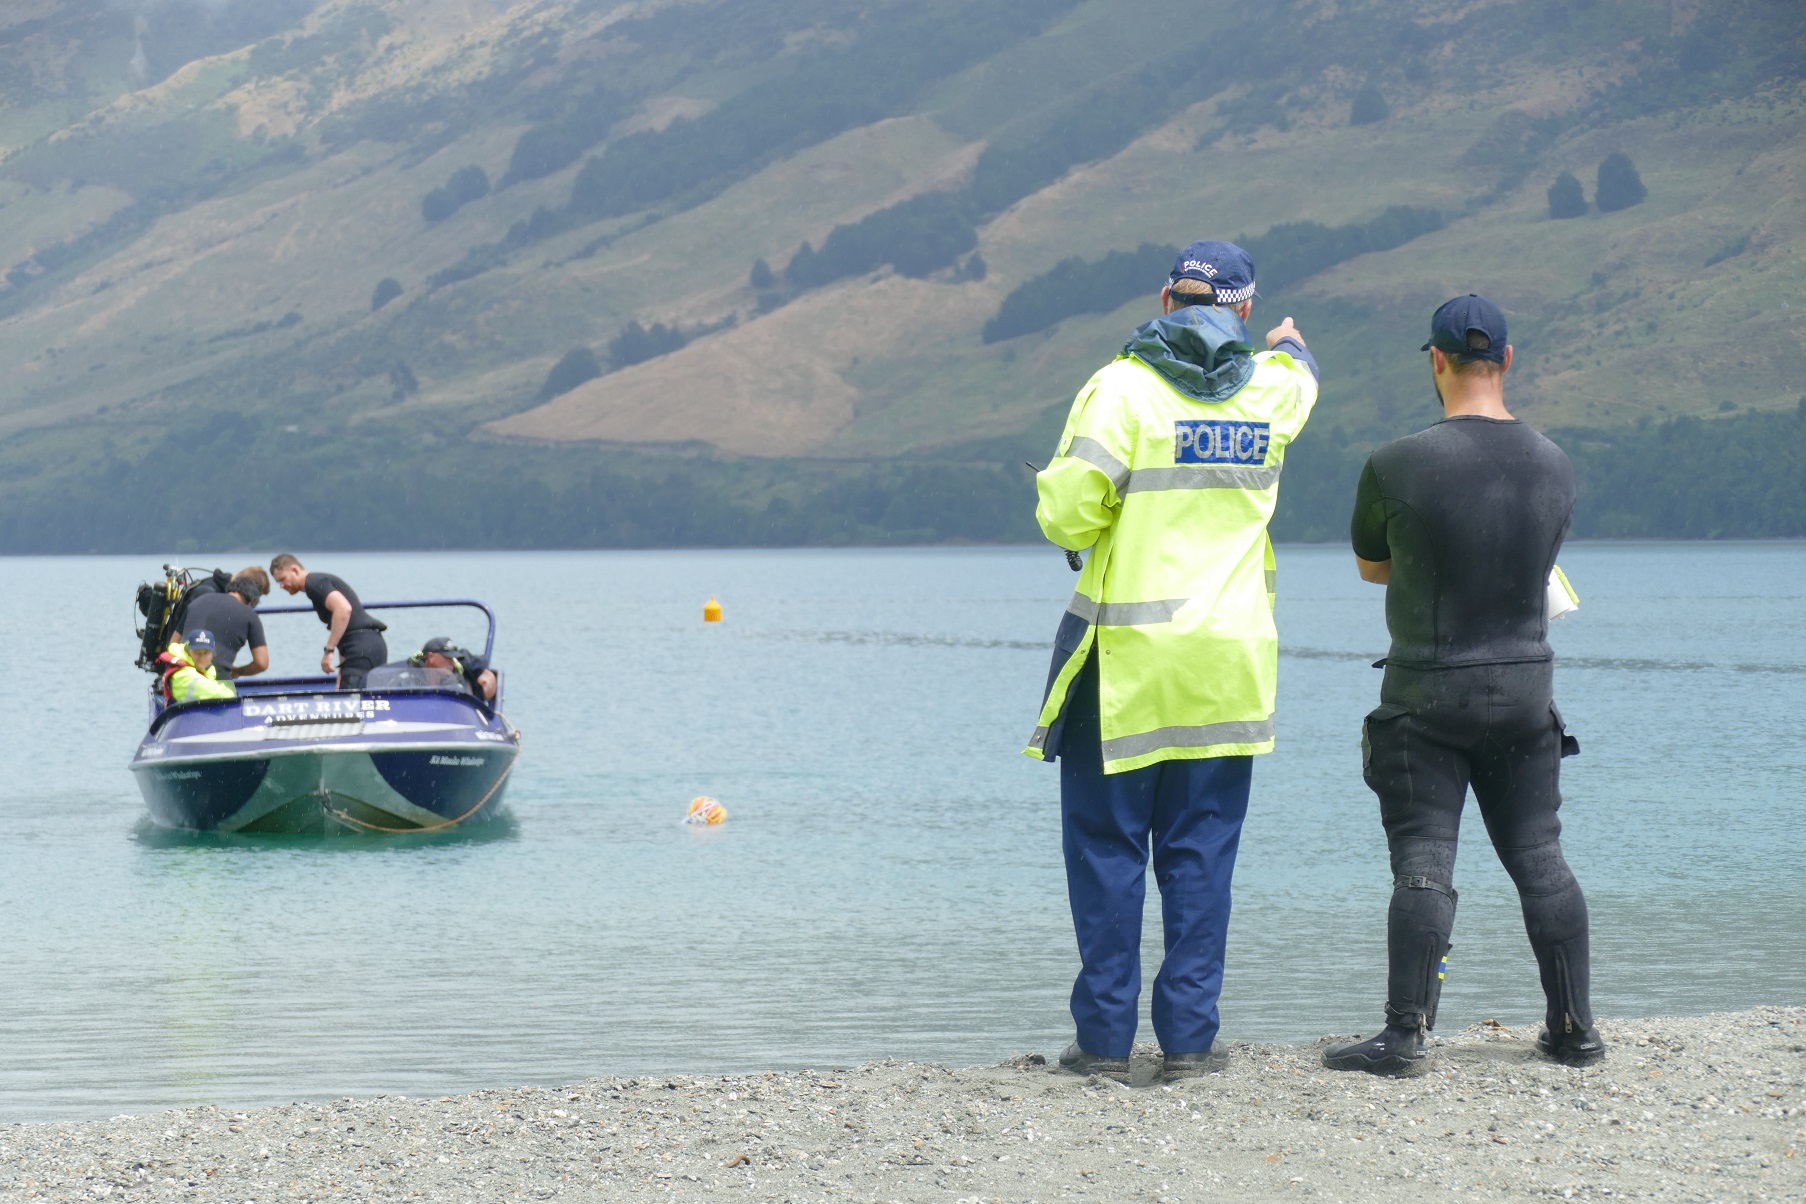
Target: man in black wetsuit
[232,619]
[350,631]
[1462,523]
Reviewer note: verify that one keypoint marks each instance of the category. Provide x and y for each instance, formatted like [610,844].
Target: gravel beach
[1710,1108]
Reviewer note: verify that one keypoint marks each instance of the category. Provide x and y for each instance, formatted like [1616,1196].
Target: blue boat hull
[370,761]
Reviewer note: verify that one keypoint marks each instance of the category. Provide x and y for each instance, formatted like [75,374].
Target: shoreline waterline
[1709,1107]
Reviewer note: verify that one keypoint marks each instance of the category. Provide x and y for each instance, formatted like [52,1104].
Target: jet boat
[413,751]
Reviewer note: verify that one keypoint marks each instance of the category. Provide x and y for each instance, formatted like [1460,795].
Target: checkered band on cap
[1235,296]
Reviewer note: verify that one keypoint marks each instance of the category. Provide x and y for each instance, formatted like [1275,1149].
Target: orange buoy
[705,810]
[711,610]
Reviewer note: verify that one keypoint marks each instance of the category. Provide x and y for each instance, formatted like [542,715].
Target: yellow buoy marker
[711,610]
[705,810]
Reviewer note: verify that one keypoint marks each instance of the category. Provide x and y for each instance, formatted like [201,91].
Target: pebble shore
[1708,1109]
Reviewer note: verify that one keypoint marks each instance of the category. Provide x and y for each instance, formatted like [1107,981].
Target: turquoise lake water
[888,884]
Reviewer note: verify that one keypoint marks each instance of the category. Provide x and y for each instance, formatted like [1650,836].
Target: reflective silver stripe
[1200,476]
[1098,456]
[1125,614]
[1272,581]
[1039,739]
[1257,731]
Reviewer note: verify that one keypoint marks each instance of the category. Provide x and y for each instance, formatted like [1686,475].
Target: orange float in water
[711,610]
[705,810]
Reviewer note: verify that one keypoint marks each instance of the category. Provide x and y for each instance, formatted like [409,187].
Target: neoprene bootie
[1396,1052]
[1076,1061]
[1580,1046]
[1568,1034]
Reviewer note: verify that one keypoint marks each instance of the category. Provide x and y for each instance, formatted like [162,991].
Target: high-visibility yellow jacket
[1168,470]
[182,682]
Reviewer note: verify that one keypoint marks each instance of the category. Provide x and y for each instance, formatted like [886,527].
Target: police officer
[1165,664]
[1462,523]
[350,630]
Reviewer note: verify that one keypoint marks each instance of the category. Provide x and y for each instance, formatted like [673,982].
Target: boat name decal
[490,736]
[460,761]
[179,775]
[315,708]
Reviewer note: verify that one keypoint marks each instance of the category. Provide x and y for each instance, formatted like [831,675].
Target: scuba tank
[163,605]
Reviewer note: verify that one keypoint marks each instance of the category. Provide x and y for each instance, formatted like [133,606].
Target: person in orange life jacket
[350,630]
[440,653]
[188,673]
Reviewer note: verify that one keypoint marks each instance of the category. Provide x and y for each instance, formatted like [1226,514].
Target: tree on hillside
[1370,107]
[387,289]
[1565,197]
[636,344]
[762,276]
[1619,185]
[577,366]
[467,184]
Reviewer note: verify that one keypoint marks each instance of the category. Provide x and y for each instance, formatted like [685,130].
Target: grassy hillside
[195,237]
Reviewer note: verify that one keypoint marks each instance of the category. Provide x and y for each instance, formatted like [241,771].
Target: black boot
[1397,1052]
[1581,1047]
[1568,1034]
[1175,1066]
[1076,1061]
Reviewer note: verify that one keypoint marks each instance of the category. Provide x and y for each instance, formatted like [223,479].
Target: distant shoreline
[209,557]
[1710,1107]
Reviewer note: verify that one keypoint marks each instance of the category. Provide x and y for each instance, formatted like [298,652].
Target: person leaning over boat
[350,630]
[1461,523]
[188,672]
[232,618]
[440,653]
[1166,663]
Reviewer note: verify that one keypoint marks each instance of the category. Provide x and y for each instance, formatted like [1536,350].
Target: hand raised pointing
[1285,330]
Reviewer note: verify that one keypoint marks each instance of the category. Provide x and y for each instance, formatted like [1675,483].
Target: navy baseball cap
[200,641]
[1222,265]
[1469,328]
[440,644]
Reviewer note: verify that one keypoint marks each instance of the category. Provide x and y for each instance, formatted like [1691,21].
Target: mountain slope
[194,236]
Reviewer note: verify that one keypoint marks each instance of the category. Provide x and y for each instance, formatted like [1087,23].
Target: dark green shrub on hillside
[826,92]
[919,236]
[574,368]
[1370,107]
[476,261]
[761,276]
[1076,286]
[1283,256]
[636,344]
[1730,250]
[467,184]
[1619,185]
[1566,198]
[554,145]
[387,289]
[1092,126]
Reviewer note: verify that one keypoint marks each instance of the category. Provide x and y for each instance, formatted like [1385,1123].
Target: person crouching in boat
[440,653]
[188,672]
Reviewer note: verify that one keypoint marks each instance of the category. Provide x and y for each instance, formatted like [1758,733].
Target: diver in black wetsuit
[1462,523]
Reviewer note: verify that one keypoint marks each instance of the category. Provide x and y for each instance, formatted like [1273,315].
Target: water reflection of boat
[413,751]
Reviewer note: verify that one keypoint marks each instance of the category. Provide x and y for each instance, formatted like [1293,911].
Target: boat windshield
[400,675]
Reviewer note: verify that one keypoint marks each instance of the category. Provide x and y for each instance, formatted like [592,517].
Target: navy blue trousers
[1190,813]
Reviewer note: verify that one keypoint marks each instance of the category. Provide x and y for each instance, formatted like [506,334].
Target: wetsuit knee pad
[1538,869]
